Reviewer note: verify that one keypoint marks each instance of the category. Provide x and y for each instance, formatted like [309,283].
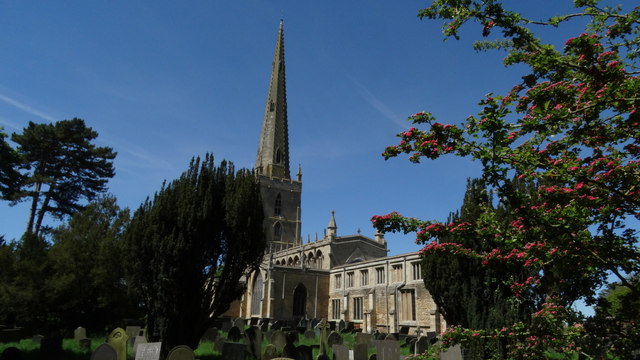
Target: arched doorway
[299,301]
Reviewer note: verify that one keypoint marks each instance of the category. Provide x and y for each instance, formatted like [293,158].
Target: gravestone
[332,325]
[363,338]
[104,352]
[37,339]
[340,352]
[226,325]
[234,334]
[278,339]
[290,349]
[303,323]
[421,345]
[181,352]
[381,336]
[315,322]
[118,339]
[79,333]
[254,341]
[137,341]
[233,351]
[452,353]
[349,328]
[310,334]
[341,325]
[304,352]
[387,350]
[270,352]
[360,352]
[148,351]
[254,321]
[264,325]
[334,338]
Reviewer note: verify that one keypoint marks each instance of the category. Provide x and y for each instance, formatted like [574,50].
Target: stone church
[337,277]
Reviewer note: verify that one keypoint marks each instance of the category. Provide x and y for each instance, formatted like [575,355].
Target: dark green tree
[189,247]
[87,286]
[7,288]
[65,167]
[467,293]
[9,162]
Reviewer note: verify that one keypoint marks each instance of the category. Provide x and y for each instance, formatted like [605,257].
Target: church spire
[273,151]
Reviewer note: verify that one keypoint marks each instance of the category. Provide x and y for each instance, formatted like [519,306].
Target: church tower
[281,195]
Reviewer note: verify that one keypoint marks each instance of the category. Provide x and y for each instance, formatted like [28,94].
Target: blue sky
[164,81]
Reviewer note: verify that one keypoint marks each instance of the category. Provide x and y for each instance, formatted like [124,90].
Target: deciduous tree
[189,247]
[572,126]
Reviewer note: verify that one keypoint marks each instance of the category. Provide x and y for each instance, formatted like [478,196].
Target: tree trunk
[34,207]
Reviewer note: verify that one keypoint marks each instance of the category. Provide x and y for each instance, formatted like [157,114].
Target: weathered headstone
[341,325]
[181,352]
[310,334]
[254,340]
[334,338]
[278,339]
[234,334]
[453,353]
[421,345]
[79,333]
[118,339]
[304,352]
[233,351]
[104,352]
[148,351]
[37,339]
[137,341]
[363,338]
[340,352]
[387,350]
[360,352]
[270,352]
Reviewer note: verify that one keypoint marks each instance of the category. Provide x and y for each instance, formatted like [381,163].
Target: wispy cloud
[29,109]
[377,104]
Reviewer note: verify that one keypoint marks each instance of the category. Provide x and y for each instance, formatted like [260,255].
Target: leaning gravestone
[340,352]
[118,339]
[334,338]
[270,352]
[148,351]
[279,339]
[234,334]
[360,352]
[233,351]
[387,350]
[453,353]
[181,352]
[79,333]
[137,341]
[104,352]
